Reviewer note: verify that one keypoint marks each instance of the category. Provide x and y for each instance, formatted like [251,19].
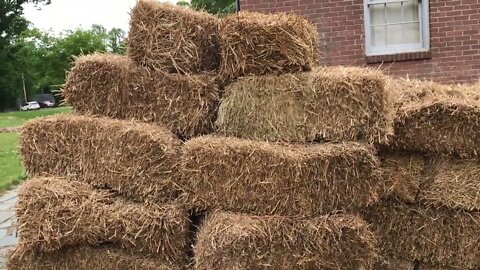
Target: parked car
[32,105]
[46,104]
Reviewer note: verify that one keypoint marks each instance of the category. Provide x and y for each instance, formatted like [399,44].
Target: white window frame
[422,46]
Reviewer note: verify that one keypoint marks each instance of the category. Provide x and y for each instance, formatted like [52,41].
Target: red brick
[454,37]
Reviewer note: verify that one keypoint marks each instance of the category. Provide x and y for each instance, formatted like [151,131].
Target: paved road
[8,228]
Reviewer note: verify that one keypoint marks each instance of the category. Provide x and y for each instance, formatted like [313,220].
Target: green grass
[11,169]
[17,119]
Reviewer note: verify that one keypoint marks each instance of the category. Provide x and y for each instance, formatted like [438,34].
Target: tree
[11,21]
[43,58]
[220,7]
[11,25]
[116,41]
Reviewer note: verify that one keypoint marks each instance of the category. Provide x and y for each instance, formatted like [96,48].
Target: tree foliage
[43,58]
[220,7]
[11,21]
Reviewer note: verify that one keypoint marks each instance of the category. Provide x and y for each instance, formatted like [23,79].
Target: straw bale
[437,181]
[254,44]
[334,103]
[237,241]
[138,160]
[279,179]
[174,39]
[438,236]
[113,86]
[408,91]
[392,264]
[454,184]
[426,266]
[436,118]
[403,174]
[86,258]
[54,213]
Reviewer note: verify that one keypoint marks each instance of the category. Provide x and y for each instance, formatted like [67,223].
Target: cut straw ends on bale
[85,258]
[432,181]
[333,104]
[279,179]
[113,86]
[408,91]
[404,175]
[173,39]
[54,213]
[434,118]
[438,236]
[454,184]
[256,43]
[238,241]
[138,160]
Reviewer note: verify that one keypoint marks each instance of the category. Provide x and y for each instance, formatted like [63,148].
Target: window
[396,26]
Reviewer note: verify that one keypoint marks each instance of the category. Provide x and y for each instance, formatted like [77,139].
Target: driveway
[8,229]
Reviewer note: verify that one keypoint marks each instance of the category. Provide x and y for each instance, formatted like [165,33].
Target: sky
[71,14]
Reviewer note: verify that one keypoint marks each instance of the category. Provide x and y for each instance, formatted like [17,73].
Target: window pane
[377,14]
[412,32]
[410,11]
[394,34]
[394,12]
[378,36]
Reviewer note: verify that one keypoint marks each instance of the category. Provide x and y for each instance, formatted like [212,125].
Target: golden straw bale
[427,266]
[438,236]
[392,264]
[404,174]
[254,44]
[334,103]
[434,118]
[455,183]
[113,86]
[173,39]
[85,258]
[264,178]
[438,181]
[138,160]
[237,241]
[54,213]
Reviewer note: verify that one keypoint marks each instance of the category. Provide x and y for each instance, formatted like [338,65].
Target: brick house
[425,39]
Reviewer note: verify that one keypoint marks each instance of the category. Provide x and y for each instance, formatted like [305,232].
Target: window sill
[398,57]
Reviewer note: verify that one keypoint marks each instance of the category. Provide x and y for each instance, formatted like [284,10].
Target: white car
[49,104]
[32,105]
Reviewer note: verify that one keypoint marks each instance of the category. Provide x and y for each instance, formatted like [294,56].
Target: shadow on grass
[5,186]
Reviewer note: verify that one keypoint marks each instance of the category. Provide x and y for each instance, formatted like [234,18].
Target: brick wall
[454,36]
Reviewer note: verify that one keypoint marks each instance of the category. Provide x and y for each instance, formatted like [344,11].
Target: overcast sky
[70,14]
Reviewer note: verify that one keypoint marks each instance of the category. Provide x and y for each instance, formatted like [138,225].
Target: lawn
[11,169]
[18,118]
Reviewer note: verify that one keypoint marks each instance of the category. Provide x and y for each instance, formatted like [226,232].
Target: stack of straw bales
[105,189]
[431,207]
[168,76]
[275,197]
[113,186]
[219,144]
[114,86]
